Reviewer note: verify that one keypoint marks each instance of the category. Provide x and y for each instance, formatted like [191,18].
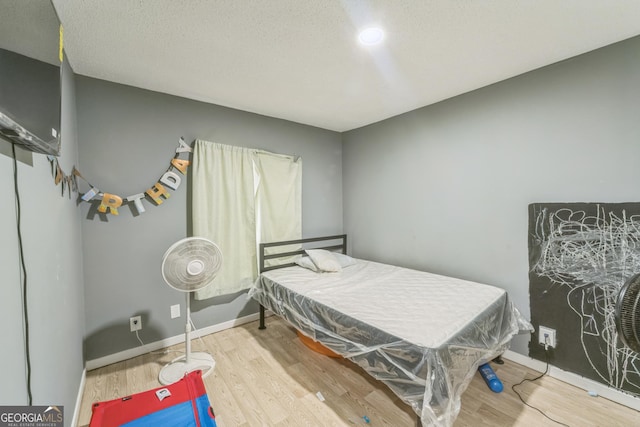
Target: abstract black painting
[580,255]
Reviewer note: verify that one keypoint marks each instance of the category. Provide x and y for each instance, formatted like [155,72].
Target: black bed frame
[341,247]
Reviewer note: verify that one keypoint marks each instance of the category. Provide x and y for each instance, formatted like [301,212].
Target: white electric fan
[189,265]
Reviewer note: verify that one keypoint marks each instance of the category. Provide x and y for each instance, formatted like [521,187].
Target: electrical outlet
[135,323]
[547,336]
[175,311]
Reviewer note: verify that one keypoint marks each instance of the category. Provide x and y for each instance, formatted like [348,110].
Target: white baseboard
[76,410]
[167,342]
[576,380]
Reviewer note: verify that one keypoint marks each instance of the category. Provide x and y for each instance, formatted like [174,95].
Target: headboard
[328,242]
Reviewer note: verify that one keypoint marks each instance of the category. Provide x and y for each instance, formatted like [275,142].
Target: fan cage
[177,259]
[628,313]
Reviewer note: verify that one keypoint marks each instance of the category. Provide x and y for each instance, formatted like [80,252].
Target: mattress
[422,334]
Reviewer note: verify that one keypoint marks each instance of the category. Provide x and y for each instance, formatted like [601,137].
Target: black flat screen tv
[30,75]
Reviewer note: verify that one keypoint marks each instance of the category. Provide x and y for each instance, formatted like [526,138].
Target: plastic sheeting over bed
[423,335]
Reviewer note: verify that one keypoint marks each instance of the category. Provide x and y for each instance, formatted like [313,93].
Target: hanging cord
[165,351]
[155,352]
[24,275]
[546,370]
[199,335]
[204,345]
[139,339]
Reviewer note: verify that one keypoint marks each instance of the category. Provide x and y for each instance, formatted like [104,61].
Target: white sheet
[386,296]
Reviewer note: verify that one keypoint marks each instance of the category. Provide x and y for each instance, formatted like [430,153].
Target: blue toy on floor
[490,378]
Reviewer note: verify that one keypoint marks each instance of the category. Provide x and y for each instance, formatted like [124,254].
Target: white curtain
[235,192]
[279,199]
[223,210]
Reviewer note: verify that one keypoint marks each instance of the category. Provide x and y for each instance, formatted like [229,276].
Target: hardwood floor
[269,378]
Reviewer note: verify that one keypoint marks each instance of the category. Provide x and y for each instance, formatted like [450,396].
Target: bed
[422,334]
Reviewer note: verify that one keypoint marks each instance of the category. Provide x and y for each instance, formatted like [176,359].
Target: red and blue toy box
[182,404]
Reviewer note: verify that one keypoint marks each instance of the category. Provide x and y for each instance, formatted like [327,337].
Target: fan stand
[180,366]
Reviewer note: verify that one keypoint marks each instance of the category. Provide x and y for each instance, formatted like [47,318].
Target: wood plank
[268,378]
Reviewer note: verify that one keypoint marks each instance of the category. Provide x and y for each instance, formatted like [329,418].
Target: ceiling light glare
[371,36]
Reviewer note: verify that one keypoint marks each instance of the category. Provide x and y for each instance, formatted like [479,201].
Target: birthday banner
[109,202]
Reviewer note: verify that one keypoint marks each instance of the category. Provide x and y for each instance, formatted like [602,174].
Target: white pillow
[307,263]
[344,260]
[324,260]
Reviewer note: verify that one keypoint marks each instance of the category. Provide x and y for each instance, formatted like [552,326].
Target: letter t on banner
[137,201]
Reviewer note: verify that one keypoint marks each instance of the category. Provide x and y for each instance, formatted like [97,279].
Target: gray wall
[53,256]
[128,137]
[446,188]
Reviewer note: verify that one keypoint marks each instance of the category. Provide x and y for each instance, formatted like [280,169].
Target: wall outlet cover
[543,333]
[135,323]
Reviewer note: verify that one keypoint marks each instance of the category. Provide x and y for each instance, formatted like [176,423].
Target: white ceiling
[30,27]
[299,59]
